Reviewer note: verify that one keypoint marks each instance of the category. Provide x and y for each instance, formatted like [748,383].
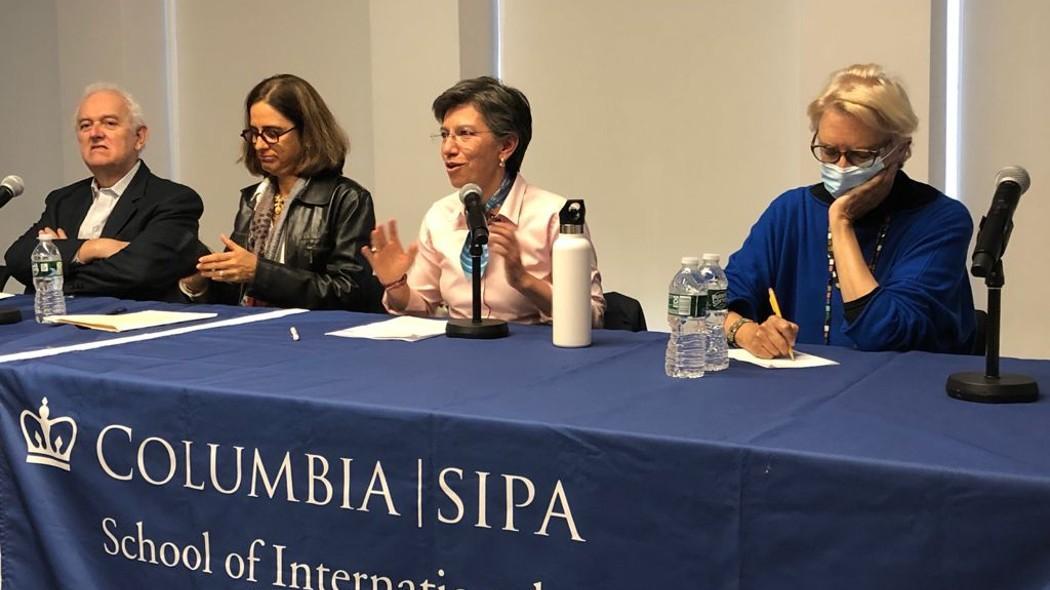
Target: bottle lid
[690,261]
[572,216]
[708,257]
[45,237]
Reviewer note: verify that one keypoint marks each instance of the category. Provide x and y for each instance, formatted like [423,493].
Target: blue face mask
[839,181]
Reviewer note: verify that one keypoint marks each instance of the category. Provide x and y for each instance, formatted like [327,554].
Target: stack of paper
[129,321]
[407,328]
[5,295]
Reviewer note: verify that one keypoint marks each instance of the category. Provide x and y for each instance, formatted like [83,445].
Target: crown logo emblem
[48,441]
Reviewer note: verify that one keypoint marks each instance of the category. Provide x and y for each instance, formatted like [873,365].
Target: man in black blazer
[124,232]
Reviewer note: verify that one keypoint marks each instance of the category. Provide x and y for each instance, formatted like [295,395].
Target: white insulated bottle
[571,275]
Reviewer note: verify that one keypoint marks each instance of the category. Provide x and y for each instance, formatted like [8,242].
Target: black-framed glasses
[461,136]
[270,135]
[830,154]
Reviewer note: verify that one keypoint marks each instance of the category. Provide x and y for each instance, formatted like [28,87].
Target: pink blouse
[437,278]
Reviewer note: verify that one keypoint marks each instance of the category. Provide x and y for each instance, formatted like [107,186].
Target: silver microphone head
[468,189]
[14,184]
[1014,174]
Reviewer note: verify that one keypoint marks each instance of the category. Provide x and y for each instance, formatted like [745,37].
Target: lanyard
[833,277]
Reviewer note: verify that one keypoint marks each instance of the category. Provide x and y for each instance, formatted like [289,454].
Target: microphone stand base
[10,315]
[480,329]
[1004,389]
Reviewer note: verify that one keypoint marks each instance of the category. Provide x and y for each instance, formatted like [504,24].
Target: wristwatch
[734,328]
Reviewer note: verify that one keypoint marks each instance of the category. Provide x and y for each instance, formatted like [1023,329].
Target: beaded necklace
[278,206]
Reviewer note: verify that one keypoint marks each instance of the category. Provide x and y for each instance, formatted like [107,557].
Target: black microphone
[10,187]
[470,196]
[995,228]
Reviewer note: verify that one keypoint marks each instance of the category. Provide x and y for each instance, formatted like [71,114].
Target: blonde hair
[869,94]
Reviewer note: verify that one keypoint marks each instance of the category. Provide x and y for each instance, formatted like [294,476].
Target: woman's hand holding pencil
[773,338]
[776,310]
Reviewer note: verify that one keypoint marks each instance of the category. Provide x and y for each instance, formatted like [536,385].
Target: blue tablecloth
[508,464]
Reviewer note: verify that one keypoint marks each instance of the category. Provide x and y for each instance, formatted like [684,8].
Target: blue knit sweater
[923,301]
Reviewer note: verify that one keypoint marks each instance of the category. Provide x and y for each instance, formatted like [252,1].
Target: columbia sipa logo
[48,441]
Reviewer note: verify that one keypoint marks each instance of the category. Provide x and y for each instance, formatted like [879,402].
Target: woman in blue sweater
[868,258]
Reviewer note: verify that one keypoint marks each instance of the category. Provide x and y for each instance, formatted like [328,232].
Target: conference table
[223,453]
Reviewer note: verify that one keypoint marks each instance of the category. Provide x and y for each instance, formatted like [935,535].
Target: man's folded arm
[17,256]
[159,256]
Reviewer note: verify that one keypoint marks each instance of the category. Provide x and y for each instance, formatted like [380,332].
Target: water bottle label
[716,299]
[46,269]
[693,306]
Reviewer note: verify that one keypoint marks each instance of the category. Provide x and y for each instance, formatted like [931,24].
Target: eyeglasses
[270,135]
[462,136]
[829,154]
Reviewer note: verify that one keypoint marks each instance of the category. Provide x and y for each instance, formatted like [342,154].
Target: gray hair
[138,121]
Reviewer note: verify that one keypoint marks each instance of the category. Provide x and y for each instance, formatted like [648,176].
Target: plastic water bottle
[571,273]
[47,279]
[686,312]
[717,284]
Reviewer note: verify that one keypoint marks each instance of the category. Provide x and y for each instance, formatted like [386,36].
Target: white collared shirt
[103,200]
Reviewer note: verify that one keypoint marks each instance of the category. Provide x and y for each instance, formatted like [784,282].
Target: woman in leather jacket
[297,235]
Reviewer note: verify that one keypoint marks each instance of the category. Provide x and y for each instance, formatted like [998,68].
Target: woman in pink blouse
[485,128]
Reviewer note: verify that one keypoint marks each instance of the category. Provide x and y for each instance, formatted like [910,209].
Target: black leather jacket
[324,230]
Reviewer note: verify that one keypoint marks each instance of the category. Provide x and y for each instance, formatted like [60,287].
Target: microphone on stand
[10,187]
[470,196]
[476,327]
[987,262]
[994,233]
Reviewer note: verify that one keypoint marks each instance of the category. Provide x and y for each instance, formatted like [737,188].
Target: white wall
[29,108]
[415,56]
[677,120]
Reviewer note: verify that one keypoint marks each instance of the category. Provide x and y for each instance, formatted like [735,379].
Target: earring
[502,162]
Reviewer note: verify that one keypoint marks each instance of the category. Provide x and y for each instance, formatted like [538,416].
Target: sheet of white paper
[150,318]
[802,360]
[407,328]
[6,295]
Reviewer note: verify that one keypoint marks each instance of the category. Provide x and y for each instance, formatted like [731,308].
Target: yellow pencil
[776,309]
